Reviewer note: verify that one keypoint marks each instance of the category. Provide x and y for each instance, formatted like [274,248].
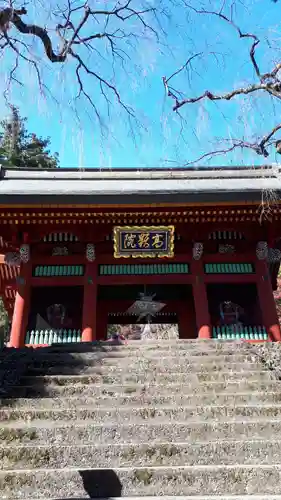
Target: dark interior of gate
[55,308]
[233,303]
[62,308]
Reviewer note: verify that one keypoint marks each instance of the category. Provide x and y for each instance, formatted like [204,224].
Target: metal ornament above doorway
[145,307]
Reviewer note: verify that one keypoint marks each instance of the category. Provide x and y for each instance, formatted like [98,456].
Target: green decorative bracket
[143,269]
[229,268]
[56,270]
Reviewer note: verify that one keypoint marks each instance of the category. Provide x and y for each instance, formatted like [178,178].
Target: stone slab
[140,414]
[163,346]
[144,399]
[198,480]
[212,497]
[85,358]
[185,388]
[149,377]
[246,452]
[69,433]
[141,366]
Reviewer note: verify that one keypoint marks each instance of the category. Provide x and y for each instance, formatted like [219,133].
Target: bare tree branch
[32,29]
[259,147]
[211,154]
[77,29]
[101,80]
[268,82]
[227,96]
[255,39]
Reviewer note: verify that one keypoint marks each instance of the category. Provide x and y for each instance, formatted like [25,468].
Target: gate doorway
[115,302]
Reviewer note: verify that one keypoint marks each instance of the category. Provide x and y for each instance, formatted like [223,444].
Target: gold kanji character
[143,240]
[130,241]
[157,241]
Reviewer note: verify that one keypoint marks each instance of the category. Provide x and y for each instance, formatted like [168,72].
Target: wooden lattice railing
[49,337]
[241,332]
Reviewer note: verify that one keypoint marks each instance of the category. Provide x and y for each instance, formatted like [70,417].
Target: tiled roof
[133,186]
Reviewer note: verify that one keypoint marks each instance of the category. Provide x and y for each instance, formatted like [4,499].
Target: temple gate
[71,269]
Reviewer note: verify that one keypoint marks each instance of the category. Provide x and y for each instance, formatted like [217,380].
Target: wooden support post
[203,320]
[266,301]
[89,320]
[21,307]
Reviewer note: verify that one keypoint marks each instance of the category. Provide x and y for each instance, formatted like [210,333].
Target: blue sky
[159,137]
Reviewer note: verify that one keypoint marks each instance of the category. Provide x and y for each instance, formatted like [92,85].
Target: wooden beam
[68,260]
[220,279]
[156,279]
[63,206]
[57,281]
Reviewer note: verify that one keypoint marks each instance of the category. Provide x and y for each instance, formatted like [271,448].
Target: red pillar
[21,307]
[203,320]
[266,301]
[90,303]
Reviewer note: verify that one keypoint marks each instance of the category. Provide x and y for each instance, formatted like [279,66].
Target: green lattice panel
[143,269]
[49,337]
[229,268]
[243,332]
[50,271]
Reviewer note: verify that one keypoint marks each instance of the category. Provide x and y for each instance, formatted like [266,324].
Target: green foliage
[19,148]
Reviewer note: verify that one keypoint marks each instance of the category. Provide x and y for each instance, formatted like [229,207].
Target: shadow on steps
[103,483]
[22,371]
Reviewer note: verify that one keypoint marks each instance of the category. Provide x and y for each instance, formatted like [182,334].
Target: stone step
[144,378]
[184,497]
[135,481]
[171,342]
[144,399]
[196,497]
[244,452]
[168,346]
[89,358]
[69,433]
[139,414]
[142,366]
[91,390]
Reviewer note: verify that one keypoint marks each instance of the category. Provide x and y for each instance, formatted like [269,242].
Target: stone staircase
[176,418]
